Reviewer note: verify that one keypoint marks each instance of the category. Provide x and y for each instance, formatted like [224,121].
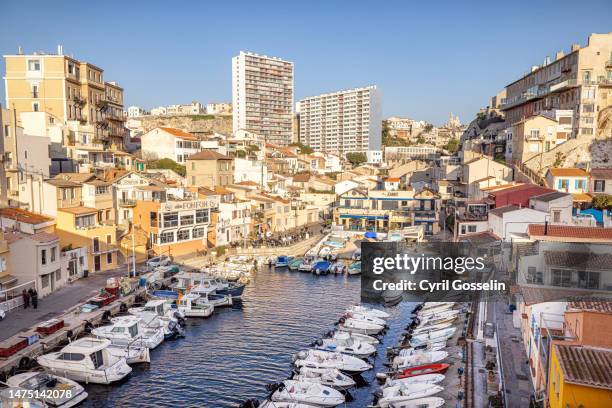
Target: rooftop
[78,210]
[567,231]
[502,210]
[208,155]
[75,177]
[568,172]
[591,305]
[548,197]
[602,174]
[181,134]
[578,260]
[24,216]
[584,365]
[41,237]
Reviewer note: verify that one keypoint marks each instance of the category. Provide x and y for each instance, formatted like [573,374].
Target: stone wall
[197,124]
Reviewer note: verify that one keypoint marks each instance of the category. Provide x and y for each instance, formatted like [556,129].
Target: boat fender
[88,327]
[329,334]
[342,320]
[381,376]
[69,334]
[106,316]
[250,403]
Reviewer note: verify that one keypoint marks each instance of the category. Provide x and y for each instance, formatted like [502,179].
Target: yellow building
[209,169]
[67,90]
[579,377]
[79,227]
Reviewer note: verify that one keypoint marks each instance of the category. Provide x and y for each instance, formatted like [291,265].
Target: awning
[7,280]
[581,197]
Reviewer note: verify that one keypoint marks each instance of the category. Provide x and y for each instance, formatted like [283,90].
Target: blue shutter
[560,184]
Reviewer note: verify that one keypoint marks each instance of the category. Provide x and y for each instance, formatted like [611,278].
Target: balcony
[127,202]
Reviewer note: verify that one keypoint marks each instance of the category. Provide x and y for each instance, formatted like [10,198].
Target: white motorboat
[418,379]
[359,326]
[368,311]
[403,399]
[86,360]
[324,251]
[434,319]
[207,290]
[392,297]
[435,310]
[50,389]
[429,347]
[433,305]
[330,377]
[326,359]
[158,313]
[364,338]
[130,330]
[365,317]
[429,357]
[133,354]
[346,344]
[430,328]
[159,307]
[308,393]
[306,265]
[432,337]
[191,305]
[281,404]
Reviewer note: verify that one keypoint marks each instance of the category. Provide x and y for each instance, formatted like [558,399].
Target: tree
[452,145]
[304,149]
[428,128]
[420,140]
[168,164]
[602,202]
[356,158]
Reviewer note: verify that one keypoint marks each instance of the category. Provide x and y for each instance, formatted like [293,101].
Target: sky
[428,58]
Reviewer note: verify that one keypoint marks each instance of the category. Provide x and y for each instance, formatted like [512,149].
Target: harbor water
[234,354]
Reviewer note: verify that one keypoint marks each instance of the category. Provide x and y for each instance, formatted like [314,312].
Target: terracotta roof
[181,134]
[76,177]
[578,260]
[585,365]
[534,295]
[590,305]
[63,183]
[568,172]
[582,197]
[392,179]
[567,231]
[78,210]
[41,237]
[206,154]
[479,238]
[248,183]
[27,217]
[222,190]
[301,178]
[602,174]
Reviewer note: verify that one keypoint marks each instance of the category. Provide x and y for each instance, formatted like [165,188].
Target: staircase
[573,153]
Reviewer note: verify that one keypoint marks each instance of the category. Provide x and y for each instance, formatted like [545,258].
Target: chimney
[559,55]
[60,49]
[20,50]
[575,47]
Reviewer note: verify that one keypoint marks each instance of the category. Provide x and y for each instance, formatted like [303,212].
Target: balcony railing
[127,202]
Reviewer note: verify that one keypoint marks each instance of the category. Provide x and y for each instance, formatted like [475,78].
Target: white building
[135,111]
[262,96]
[160,110]
[215,108]
[250,170]
[342,122]
[511,220]
[374,156]
[168,143]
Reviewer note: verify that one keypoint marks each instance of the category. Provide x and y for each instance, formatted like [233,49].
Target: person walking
[34,299]
[26,299]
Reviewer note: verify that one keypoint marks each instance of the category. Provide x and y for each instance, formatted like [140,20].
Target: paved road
[517,382]
[55,304]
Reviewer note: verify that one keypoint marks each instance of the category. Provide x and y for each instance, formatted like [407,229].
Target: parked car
[162,260]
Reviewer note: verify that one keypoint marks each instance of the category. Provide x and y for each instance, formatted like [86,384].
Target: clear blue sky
[429,58]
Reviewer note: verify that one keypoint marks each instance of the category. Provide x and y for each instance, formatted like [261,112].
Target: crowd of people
[30,296]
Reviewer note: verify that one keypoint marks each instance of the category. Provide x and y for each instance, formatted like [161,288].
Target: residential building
[403,128]
[194,108]
[36,257]
[131,187]
[568,233]
[601,181]
[68,90]
[209,169]
[169,143]
[588,322]
[250,170]
[9,174]
[511,220]
[557,204]
[342,122]
[569,180]
[262,96]
[375,157]
[234,219]
[417,152]
[135,111]
[159,111]
[537,134]
[7,279]
[513,194]
[217,108]
[571,81]
[176,226]
[17,219]
[79,227]
[579,376]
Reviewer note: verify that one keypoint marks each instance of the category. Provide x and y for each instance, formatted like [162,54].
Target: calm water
[232,355]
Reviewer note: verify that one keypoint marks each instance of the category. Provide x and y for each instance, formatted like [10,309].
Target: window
[198,232]
[187,219]
[71,356]
[588,108]
[43,257]
[192,165]
[588,280]
[7,130]
[201,216]
[108,238]
[101,190]
[96,244]
[599,186]
[534,133]
[533,276]
[556,216]
[109,258]
[34,65]
[35,106]
[85,221]
[58,275]
[193,180]
[579,184]
[44,280]
[471,228]
[53,253]
[166,237]
[463,230]
[170,220]
[561,277]
[182,235]
[97,359]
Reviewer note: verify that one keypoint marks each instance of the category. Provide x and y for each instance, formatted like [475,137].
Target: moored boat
[330,377]
[52,390]
[439,368]
[326,359]
[306,392]
[428,357]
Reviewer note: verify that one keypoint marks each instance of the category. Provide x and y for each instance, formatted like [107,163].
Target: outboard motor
[250,403]
[329,334]
[180,319]
[273,387]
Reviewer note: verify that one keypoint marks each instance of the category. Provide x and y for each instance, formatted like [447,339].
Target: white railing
[11,298]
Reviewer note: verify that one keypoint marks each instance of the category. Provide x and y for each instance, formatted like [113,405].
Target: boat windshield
[118,329]
[97,359]
[133,330]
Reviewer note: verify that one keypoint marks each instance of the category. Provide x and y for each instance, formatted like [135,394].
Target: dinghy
[433,337]
[428,357]
[430,328]
[359,326]
[53,390]
[368,311]
[434,319]
[365,317]
[429,402]
[439,368]
[306,392]
[364,338]
[346,344]
[326,359]
[419,379]
[398,395]
[330,377]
